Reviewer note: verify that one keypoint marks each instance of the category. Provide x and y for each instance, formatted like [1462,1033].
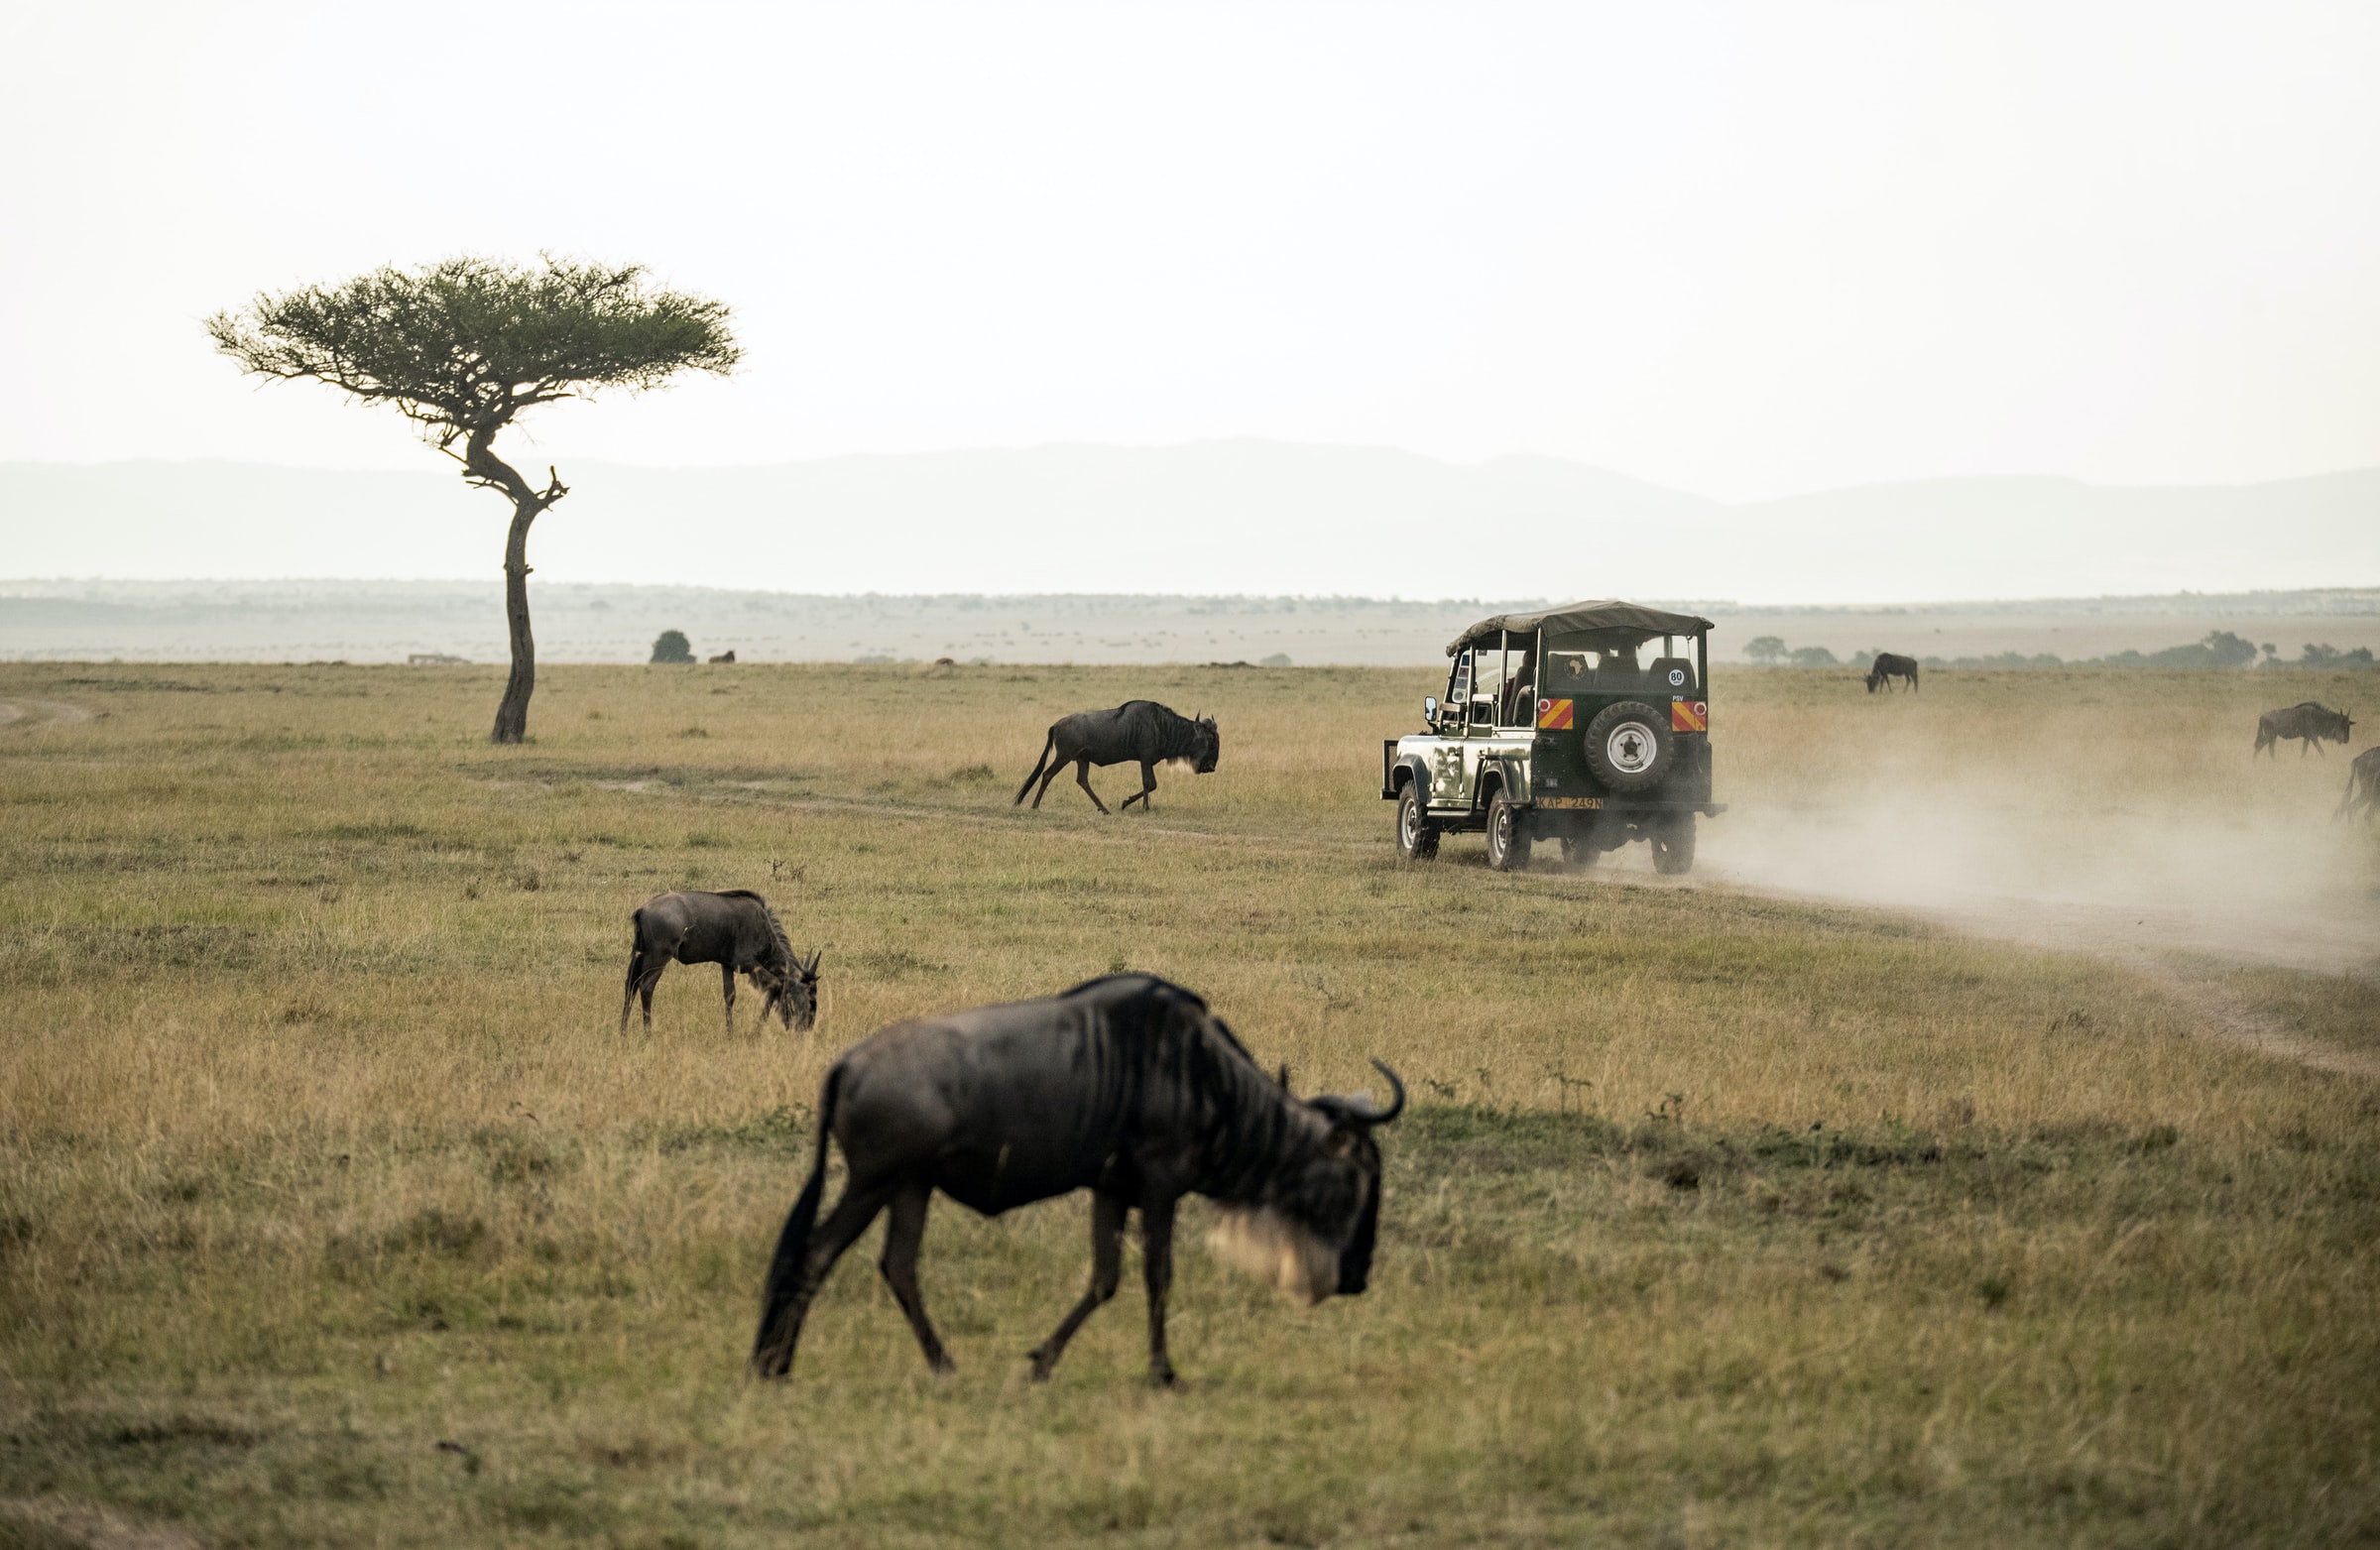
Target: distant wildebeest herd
[2310,722]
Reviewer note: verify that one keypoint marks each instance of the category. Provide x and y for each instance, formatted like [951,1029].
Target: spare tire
[1628,746]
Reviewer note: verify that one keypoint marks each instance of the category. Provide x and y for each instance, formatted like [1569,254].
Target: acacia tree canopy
[461,347]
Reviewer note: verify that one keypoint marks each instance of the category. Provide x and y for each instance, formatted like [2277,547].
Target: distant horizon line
[1336,599]
[1606,470]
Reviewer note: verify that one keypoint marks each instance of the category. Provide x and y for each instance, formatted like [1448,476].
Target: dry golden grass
[1725,1218]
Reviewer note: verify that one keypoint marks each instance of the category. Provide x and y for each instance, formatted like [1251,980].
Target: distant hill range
[1213,518]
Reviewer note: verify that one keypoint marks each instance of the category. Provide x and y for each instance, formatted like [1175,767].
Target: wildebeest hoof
[1161,1378]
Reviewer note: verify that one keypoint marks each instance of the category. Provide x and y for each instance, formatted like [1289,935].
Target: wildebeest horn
[1359,1111]
[1284,1076]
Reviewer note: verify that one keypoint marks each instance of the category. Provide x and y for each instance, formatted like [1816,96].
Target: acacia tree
[461,347]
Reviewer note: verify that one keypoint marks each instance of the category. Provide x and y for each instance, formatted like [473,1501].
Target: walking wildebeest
[738,931]
[1127,1086]
[2312,724]
[1891,664]
[1141,731]
[2364,786]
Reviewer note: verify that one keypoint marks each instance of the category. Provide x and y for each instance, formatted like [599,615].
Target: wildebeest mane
[1244,1123]
[776,929]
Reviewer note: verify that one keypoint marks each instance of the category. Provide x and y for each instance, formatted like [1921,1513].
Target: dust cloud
[2120,833]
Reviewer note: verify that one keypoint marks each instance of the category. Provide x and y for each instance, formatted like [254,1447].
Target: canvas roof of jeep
[1584,616]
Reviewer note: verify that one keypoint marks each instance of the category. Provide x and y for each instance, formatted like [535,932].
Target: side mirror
[1428,709]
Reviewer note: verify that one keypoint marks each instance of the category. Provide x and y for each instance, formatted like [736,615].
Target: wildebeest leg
[773,1354]
[727,986]
[1156,1265]
[1051,775]
[627,994]
[905,1231]
[1107,1270]
[1149,784]
[1082,777]
[653,977]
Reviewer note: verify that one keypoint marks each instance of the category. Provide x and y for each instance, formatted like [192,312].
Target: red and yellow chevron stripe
[1688,716]
[1553,715]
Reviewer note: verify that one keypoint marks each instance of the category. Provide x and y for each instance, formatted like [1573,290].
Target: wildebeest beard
[1282,1241]
[1271,1248]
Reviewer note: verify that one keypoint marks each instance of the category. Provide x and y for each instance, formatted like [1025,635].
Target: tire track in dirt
[42,713]
[2232,1021]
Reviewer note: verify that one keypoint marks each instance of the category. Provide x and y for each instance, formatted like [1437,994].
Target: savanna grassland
[334,1210]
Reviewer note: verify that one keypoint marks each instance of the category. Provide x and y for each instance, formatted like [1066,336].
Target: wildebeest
[1891,664]
[1127,1086]
[738,931]
[2312,724]
[2364,786]
[1136,731]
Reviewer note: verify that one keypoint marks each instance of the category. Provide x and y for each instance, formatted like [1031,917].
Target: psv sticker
[1553,715]
[1688,716]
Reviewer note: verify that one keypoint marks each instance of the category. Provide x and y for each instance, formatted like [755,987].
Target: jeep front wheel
[1416,836]
[1507,841]
[1628,746]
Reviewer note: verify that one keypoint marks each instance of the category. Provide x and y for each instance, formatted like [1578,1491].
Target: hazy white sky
[1745,250]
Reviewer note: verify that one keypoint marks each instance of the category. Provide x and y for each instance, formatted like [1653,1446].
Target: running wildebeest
[2364,786]
[1136,731]
[738,931]
[1127,1086]
[2312,724]
[1891,664]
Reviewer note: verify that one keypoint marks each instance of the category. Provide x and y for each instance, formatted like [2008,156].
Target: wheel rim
[1500,829]
[1409,831]
[1630,747]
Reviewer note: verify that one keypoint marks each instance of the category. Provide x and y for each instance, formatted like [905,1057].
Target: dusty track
[36,713]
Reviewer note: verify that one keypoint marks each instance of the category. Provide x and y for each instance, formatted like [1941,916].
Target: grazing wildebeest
[2364,786]
[1891,664]
[1141,731]
[1127,1086]
[738,931]
[2312,724]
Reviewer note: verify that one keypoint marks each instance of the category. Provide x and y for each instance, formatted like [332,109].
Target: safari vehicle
[1588,724]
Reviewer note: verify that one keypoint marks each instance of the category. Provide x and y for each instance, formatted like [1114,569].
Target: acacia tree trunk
[512,712]
[482,466]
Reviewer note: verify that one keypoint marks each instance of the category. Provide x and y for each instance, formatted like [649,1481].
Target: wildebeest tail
[1047,744]
[772,1345]
[636,963]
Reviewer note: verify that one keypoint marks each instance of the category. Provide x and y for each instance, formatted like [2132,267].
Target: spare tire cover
[1628,746]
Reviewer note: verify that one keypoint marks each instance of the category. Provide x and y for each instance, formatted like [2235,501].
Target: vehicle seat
[1658,676]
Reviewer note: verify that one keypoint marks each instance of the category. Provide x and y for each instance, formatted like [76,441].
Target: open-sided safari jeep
[1588,724]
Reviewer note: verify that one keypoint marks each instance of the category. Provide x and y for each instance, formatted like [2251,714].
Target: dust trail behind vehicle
[2103,811]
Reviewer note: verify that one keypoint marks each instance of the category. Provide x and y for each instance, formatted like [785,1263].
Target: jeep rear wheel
[1628,746]
[1416,836]
[1507,841]
[1673,844]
